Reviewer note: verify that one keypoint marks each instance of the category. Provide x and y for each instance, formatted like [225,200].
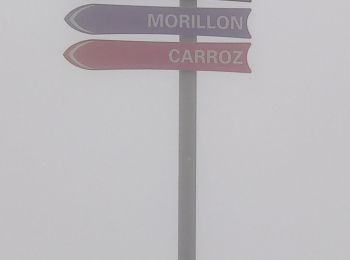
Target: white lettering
[238,56]
[155,22]
[223,22]
[235,23]
[199,56]
[174,18]
[199,25]
[171,56]
[194,22]
[184,20]
[187,57]
[212,56]
[209,25]
[222,56]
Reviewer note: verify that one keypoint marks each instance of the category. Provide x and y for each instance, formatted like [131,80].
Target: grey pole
[187,156]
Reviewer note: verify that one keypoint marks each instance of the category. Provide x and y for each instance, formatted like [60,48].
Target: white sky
[88,160]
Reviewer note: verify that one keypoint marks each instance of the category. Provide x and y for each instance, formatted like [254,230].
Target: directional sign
[116,55]
[124,19]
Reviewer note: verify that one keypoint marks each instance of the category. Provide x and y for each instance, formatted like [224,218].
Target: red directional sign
[118,55]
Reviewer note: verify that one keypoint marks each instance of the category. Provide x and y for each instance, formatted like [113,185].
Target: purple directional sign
[126,19]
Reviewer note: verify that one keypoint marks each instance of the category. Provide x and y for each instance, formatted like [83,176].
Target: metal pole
[187,156]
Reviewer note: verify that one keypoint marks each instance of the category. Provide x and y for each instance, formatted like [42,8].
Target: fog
[89,159]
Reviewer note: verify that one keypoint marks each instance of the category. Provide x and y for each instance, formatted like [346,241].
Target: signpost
[187,56]
[187,208]
[108,55]
[124,19]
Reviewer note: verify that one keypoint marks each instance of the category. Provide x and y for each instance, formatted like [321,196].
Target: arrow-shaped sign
[125,19]
[116,55]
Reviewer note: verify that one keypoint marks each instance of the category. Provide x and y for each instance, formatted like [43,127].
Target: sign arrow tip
[72,18]
[71,55]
